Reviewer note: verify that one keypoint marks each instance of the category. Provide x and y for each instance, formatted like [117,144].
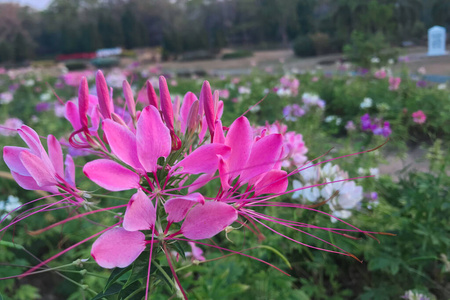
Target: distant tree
[6,52]
[22,48]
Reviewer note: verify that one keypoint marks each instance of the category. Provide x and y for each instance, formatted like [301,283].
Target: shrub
[363,47]
[304,46]
[105,62]
[321,43]
[237,54]
[73,65]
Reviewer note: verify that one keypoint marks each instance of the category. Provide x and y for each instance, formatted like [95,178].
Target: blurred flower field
[320,116]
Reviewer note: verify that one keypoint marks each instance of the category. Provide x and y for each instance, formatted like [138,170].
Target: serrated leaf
[112,290]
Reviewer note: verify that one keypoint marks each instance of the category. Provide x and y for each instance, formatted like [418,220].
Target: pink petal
[166,103]
[177,208]
[110,175]
[72,115]
[200,181]
[26,182]
[122,142]
[193,119]
[37,169]
[31,138]
[152,137]
[264,155]
[12,159]
[151,94]
[69,174]
[219,110]
[103,95]
[224,174]
[83,102]
[240,140]
[140,214]
[205,221]
[219,137]
[206,98]
[128,93]
[56,155]
[203,160]
[188,100]
[273,182]
[118,248]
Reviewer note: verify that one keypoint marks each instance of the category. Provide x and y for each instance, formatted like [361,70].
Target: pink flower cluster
[288,86]
[419,117]
[294,148]
[394,83]
[161,155]
[73,78]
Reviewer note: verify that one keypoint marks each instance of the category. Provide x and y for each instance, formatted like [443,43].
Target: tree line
[179,26]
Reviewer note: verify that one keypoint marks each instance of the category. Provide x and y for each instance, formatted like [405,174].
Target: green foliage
[304,46]
[73,65]
[415,208]
[237,54]
[363,47]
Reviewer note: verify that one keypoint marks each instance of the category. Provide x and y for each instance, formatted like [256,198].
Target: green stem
[158,266]
[108,196]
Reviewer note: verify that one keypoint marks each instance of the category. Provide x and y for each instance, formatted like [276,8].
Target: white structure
[109,52]
[436,41]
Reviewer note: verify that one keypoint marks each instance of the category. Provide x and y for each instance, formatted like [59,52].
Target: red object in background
[87,55]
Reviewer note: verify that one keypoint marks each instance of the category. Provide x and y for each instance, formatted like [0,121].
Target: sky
[37,4]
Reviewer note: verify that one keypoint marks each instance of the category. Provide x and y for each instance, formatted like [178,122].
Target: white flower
[349,196]
[244,90]
[390,61]
[367,102]
[442,86]
[282,92]
[374,172]
[338,121]
[341,214]
[310,194]
[9,205]
[45,97]
[255,108]
[6,97]
[311,174]
[329,119]
[29,82]
[374,60]
[361,171]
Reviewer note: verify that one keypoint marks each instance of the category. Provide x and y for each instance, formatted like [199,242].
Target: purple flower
[42,106]
[421,83]
[350,126]
[365,122]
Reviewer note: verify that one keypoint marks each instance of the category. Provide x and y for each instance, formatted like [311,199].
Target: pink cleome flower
[162,154]
[419,117]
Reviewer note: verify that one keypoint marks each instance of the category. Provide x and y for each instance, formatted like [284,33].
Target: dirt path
[438,65]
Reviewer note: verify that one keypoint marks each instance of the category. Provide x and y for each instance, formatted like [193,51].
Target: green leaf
[115,275]
[179,248]
[286,261]
[129,290]
[140,269]
[112,290]
[11,245]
